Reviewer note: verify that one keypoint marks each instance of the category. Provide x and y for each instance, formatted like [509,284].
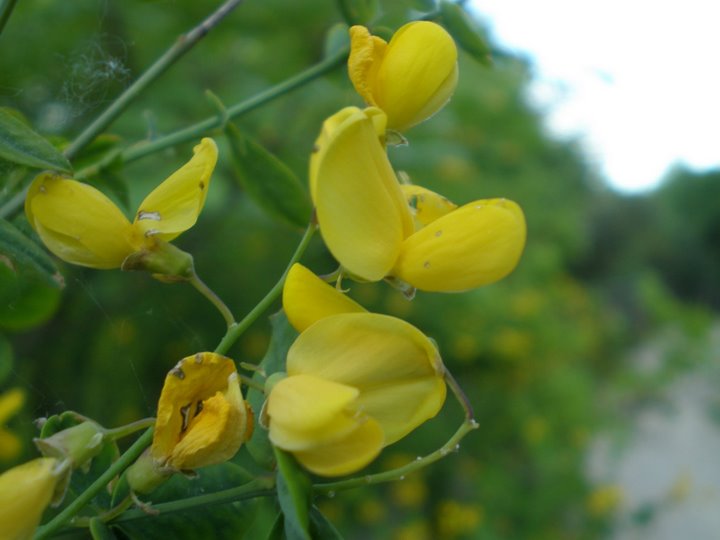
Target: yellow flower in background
[82,226]
[202,418]
[25,492]
[10,403]
[376,230]
[356,381]
[410,78]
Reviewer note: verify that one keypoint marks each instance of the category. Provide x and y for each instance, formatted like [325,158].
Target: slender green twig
[128,429]
[252,383]
[194,131]
[183,44]
[215,300]
[451,445]
[6,8]
[103,480]
[259,487]
[459,395]
[237,329]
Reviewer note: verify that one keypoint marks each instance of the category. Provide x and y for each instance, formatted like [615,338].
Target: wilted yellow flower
[10,403]
[356,382]
[82,226]
[202,418]
[410,78]
[25,492]
[376,230]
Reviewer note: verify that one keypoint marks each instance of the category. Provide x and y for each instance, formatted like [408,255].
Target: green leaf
[220,521]
[20,144]
[359,11]
[100,531]
[294,494]
[282,337]
[424,6]
[18,248]
[321,527]
[336,38]
[465,31]
[25,300]
[6,358]
[268,181]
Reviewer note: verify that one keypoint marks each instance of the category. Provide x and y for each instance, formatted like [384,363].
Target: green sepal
[294,491]
[267,180]
[20,144]
[465,31]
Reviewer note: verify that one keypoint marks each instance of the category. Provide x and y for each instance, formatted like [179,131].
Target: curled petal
[307,298]
[362,213]
[427,205]
[366,55]
[475,245]
[78,223]
[174,206]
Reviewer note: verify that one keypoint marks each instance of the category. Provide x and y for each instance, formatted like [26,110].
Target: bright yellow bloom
[10,403]
[410,78]
[82,226]
[202,418]
[356,382]
[376,230]
[25,492]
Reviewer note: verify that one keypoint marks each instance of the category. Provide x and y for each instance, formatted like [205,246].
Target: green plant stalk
[93,489]
[236,330]
[129,429]
[6,8]
[194,131]
[450,446]
[214,299]
[182,45]
[260,487]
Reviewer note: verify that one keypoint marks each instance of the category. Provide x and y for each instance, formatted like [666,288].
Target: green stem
[252,383]
[215,300]
[260,487]
[459,395]
[236,330]
[398,474]
[183,44]
[6,8]
[129,429]
[194,131]
[103,480]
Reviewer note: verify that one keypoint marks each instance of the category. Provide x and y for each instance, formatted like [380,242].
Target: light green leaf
[465,31]
[294,494]
[20,144]
[321,527]
[19,249]
[424,6]
[268,181]
[336,38]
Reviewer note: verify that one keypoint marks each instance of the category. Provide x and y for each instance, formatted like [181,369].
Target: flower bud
[78,444]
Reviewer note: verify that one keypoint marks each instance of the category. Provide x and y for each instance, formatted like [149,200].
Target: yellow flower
[82,226]
[25,492]
[356,381]
[202,418]
[10,403]
[410,78]
[367,220]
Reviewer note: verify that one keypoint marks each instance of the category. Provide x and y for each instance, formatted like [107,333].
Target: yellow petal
[418,74]
[307,298]
[366,54]
[362,213]
[174,206]
[10,403]
[25,492]
[307,411]
[78,223]
[192,381]
[347,455]
[475,245]
[395,366]
[427,205]
[10,445]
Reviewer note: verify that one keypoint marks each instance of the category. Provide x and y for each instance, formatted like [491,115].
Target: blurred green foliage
[536,353]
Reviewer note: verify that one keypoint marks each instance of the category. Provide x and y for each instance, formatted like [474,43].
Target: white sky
[638,80]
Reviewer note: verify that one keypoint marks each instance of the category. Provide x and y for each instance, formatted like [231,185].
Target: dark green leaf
[19,249]
[337,38]
[321,527]
[269,182]
[277,532]
[20,144]
[25,301]
[100,531]
[465,31]
[6,358]
[294,493]
[283,335]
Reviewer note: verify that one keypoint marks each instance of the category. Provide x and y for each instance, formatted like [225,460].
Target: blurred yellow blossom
[411,492]
[410,78]
[10,403]
[455,519]
[82,226]
[603,500]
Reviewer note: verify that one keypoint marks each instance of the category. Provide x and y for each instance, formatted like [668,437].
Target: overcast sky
[638,80]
